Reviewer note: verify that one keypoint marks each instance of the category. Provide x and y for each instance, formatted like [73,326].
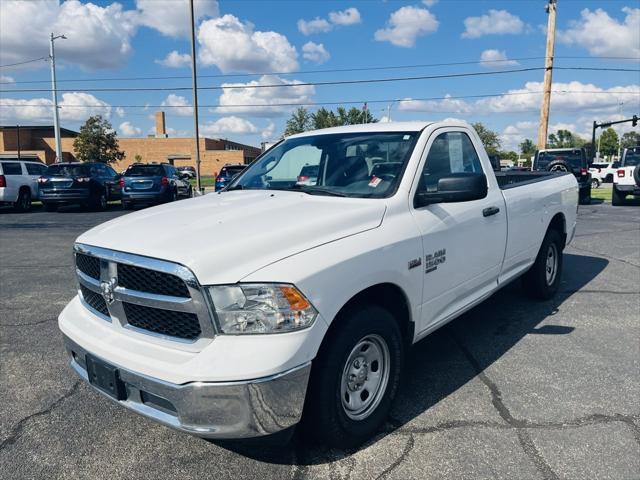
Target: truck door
[463,242]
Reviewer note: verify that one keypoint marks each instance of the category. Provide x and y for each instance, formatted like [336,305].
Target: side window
[451,152]
[35,168]
[11,168]
[110,171]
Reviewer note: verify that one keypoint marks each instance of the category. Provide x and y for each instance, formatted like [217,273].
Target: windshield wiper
[235,187]
[311,190]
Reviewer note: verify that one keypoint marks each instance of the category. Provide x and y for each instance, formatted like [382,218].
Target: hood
[225,237]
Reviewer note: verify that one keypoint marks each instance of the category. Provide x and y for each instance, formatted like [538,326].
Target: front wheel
[595,183]
[100,202]
[543,278]
[23,204]
[354,378]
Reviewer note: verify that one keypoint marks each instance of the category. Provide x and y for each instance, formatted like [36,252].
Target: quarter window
[11,168]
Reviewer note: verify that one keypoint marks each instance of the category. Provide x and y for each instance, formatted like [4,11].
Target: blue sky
[244,38]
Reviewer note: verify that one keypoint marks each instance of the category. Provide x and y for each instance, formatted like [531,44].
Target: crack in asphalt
[16,431]
[605,256]
[411,442]
[524,438]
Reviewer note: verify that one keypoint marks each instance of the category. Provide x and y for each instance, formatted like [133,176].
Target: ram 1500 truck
[272,303]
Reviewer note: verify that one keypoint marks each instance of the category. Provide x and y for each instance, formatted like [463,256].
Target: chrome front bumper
[222,410]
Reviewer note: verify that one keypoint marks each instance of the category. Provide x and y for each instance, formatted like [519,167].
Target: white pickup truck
[276,302]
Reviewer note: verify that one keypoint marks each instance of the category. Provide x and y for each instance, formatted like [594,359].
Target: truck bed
[516,179]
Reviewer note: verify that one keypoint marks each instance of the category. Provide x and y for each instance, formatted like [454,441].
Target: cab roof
[383,127]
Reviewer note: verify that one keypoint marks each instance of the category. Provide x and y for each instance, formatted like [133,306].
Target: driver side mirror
[454,187]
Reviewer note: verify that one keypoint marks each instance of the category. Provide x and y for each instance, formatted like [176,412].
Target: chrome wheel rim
[365,377]
[551,267]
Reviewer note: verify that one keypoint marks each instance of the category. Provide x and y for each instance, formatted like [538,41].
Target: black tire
[609,178]
[23,204]
[617,198]
[595,183]
[559,166]
[50,207]
[325,417]
[190,192]
[99,203]
[173,196]
[585,196]
[636,175]
[537,282]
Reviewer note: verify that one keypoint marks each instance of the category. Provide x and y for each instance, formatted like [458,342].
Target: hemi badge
[416,262]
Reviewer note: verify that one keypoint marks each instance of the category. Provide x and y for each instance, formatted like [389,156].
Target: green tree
[324,118]
[609,142]
[508,155]
[565,139]
[527,147]
[630,139]
[97,141]
[490,139]
[300,121]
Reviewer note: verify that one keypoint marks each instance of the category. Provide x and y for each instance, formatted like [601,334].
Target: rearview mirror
[455,187]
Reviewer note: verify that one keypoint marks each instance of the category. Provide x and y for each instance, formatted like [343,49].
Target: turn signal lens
[295,298]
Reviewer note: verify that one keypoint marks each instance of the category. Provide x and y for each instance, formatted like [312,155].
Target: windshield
[632,157]
[571,157]
[231,171]
[67,170]
[144,171]
[348,164]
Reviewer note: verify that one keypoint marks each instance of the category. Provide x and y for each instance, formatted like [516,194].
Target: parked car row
[89,184]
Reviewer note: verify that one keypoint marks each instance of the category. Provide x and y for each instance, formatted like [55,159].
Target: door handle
[487,212]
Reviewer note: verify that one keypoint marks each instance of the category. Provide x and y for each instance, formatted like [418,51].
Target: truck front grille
[156,297]
[152,281]
[94,300]
[165,322]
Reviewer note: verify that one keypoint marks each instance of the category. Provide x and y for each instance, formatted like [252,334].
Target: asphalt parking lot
[513,389]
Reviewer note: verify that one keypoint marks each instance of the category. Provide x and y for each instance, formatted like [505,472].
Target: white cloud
[175,60]
[234,46]
[495,58]
[171,17]
[126,129]
[264,96]
[6,79]
[120,112]
[97,37]
[429,3]
[604,36]
[350,16]
[513,135]
[406,24]
[269,131]
[74,106]
[315,52]
[496,22]
[178,105]
[317,25]
[573,95]
[235,125]
[449,105]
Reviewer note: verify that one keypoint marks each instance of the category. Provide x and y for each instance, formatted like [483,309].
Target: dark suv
[152,183]
[228,173]
[90,184]
[572,160]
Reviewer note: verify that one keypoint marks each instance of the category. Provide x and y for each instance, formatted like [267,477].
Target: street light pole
[195,95]
[54,93]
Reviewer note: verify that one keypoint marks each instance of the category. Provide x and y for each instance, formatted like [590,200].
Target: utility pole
[548,75]
[195,95]
[54,93]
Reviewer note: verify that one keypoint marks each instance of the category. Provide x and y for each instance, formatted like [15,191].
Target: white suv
[19,182]
[603,172]
[627,178]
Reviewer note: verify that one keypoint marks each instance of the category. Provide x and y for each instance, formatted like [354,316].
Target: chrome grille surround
[196,304]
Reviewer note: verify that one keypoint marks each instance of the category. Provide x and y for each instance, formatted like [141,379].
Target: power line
[345,102]
[306,72]
[22,63]
[279,85]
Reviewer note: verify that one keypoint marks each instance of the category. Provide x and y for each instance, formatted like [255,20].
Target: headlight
[261,308]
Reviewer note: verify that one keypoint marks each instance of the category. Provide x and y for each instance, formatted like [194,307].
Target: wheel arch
[387,295]
[559,224]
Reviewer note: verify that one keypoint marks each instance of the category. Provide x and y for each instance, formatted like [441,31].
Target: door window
[35,168]
[11,168]
[451,152]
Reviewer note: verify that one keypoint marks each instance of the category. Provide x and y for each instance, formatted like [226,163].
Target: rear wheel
[543,278]
[50,207]
[100,202]
[585,196]
[23,204]
[595,183]
[617,198]
[354,378]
